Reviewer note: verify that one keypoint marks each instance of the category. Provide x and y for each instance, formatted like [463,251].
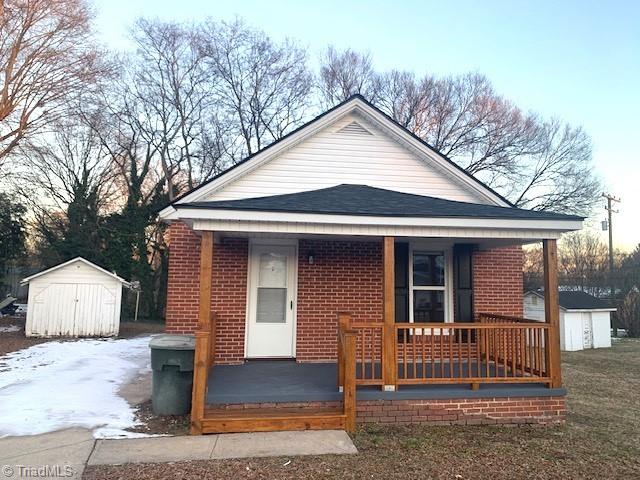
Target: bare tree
[583,262]
[538,164]
[68,163]
[533,269]
[345,73]
[559,174]
[66,182]
[261,89]
[46,56]
[629,313]
[170,83]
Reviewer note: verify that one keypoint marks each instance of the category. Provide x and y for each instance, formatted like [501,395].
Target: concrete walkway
[67,452]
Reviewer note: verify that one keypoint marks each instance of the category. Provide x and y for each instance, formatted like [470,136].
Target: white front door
[272,295]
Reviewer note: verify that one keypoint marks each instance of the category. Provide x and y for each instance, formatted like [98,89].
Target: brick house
[349,272]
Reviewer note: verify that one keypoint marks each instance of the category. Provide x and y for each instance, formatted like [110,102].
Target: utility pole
[610,211]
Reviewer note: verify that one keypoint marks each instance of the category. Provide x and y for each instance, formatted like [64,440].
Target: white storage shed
[585,321]
[74,299]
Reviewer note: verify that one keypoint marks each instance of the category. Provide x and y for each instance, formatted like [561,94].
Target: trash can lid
[173,342]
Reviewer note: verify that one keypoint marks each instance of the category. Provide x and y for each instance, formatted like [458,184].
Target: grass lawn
[601,439]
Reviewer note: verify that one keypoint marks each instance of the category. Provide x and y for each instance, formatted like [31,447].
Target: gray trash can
[172,365]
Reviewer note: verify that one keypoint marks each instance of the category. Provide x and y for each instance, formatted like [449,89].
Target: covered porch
[371,295]
[489,356]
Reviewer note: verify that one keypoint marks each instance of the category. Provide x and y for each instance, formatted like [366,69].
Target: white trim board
[275,228]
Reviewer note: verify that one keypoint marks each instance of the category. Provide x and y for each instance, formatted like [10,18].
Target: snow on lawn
[9,328]
[58,385]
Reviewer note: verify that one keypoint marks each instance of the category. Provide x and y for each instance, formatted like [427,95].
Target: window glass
[272,304]
[428,270]
[273,270]
[428,306]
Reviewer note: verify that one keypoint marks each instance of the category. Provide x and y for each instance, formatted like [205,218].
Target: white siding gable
[349,150]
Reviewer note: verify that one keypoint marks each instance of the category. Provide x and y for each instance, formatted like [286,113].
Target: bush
[629,313]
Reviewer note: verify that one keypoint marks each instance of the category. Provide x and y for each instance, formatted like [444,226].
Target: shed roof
[69,262]
[577,300]
[364,200]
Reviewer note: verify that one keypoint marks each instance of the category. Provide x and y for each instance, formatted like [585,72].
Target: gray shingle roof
[580,301]
[364,200]
[577,300]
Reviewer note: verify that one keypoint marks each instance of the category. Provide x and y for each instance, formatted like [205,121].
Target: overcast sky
[577,60]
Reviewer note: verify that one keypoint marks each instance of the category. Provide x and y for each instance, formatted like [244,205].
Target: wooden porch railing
[472,353]
[495,318]
[203,361]
[205,355]
[347,369]
[497,349]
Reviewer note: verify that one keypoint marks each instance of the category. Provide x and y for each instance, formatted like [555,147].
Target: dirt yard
[600,440]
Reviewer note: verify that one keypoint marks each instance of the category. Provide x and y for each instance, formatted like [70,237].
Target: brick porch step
[218,420]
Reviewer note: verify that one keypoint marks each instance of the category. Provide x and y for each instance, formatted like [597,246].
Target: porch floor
[281,381]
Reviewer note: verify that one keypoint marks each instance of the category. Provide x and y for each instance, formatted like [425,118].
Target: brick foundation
[465,411]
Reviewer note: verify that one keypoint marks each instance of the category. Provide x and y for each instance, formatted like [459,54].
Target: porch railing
[472,353]
[496,349]
[347,370]
[205,351]
[204,357]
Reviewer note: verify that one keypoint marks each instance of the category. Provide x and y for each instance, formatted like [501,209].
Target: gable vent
[354,128]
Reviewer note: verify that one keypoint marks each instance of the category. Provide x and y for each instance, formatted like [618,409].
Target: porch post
[205,336]
[389,362]
[552,311]
[206,265]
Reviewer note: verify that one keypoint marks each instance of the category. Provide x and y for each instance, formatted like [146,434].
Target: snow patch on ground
[9,328]
[58,385]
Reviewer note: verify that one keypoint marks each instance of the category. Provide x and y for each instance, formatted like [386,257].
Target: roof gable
[71,262]
[353,142]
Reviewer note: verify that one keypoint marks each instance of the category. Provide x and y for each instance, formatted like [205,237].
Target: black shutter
[401,267]
[463,282]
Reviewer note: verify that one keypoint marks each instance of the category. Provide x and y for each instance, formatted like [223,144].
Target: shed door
[54,310]
[70,309]
[95,310]
[587,331]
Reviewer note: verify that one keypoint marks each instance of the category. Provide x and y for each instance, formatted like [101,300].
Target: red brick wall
[497,277]
[345,276]
[464,411]
[457,411]
[229,289]
[183,281]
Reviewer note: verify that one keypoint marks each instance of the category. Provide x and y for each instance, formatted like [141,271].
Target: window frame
[447,288]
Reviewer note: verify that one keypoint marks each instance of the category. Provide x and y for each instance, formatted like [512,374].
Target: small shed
[585,320]
[74,299]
